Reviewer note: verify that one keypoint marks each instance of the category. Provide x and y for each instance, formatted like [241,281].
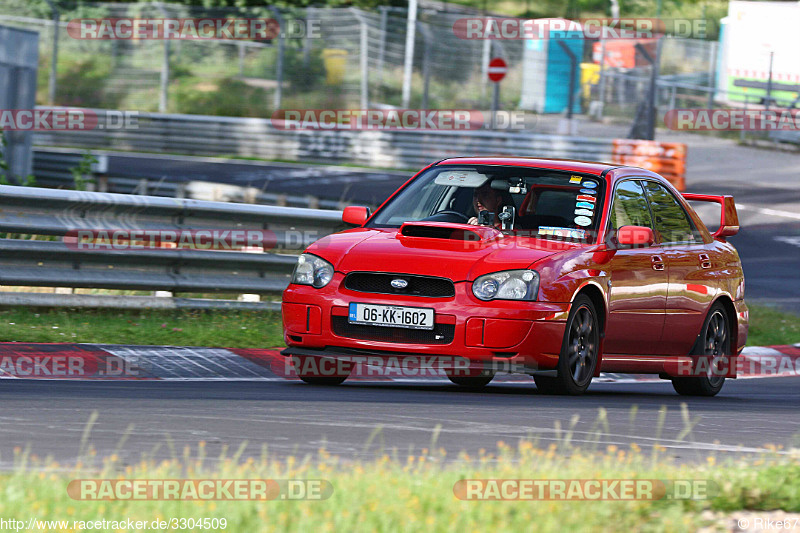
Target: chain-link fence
[333,58]
[686,78]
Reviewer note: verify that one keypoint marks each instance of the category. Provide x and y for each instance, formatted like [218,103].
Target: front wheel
[715,344]
[579,352]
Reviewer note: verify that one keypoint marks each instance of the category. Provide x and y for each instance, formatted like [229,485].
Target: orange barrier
[667,159]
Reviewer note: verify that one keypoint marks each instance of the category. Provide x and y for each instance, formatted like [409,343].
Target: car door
[637,293]
[688,295]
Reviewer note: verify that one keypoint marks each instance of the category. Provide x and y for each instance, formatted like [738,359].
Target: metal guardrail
[788,136]
[52,167]
[253,137]
[56,263]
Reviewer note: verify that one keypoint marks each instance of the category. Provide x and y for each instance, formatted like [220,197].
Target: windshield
[538,202]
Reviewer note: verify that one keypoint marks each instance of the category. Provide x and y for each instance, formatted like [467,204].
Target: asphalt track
[293,418]
[290,417]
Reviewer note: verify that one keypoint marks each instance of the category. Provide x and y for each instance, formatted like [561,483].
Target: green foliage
[304,77]
[279,3]
[229,97]
[411,489]
[82,173]
[81,82]
[5,178]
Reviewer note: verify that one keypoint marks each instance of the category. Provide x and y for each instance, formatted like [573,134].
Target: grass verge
[416,492]
[241,329]
[770,326]
[231,329]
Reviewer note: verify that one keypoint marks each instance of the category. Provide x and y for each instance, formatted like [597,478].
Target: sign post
[497,71]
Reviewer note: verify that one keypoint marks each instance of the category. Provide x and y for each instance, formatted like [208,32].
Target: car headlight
[312,270]
[507,285]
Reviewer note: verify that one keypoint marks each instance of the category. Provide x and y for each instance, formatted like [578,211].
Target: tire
[475,383]
[301,362]
[714,341]
[579,352]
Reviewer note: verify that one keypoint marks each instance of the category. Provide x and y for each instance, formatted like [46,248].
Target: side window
[629,207]
[671,219]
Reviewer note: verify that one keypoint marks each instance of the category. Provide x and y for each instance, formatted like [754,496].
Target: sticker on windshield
[586,205]
[568,233]
[575,179]
[586,198]
[588,191]
[585,212]
[583,221]
[589,184]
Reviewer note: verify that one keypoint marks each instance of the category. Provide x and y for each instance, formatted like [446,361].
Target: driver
[485,198]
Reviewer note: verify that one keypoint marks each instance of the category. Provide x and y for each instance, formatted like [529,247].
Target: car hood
[390,250]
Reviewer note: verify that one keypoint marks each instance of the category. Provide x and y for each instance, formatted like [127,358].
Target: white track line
[768,211]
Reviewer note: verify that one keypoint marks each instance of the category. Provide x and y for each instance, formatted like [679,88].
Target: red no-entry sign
[497,69]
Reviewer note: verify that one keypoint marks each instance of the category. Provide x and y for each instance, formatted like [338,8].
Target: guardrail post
[601,90]
[364,60]
[426,64]
[382,47]
[276,101]
[307,38]
[486,56]
[769,82]
[164,87]
[52,83]
[712,72]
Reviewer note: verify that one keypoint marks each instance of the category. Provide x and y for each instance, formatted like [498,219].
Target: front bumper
[515,334]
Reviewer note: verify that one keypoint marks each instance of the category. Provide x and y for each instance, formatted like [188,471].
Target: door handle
[705,261]
[658,262]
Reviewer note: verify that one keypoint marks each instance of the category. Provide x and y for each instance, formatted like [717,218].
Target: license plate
[391,316]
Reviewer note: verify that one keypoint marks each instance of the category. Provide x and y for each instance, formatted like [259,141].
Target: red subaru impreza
[556,269]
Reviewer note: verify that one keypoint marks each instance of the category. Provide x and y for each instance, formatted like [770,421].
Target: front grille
[376,282]
[440,334]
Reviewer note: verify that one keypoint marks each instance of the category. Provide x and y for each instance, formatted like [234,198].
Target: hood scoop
[448,231]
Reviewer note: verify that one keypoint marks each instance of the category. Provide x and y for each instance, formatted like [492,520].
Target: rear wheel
[715,344]
[321,370]
[579,352]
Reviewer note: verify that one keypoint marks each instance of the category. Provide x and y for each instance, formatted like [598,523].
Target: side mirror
[355,215]
[635,236]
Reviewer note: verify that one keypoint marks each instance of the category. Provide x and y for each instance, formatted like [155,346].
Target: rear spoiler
[729,220]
